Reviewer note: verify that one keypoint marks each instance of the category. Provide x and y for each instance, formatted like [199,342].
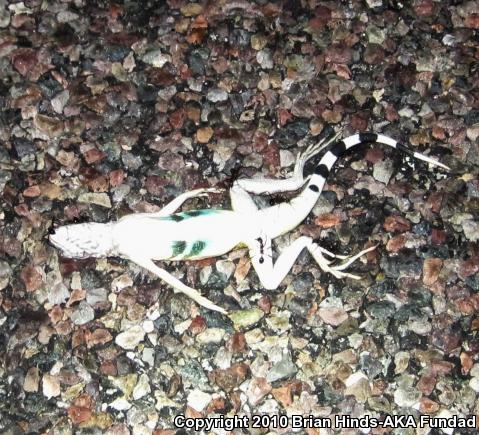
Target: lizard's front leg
[177,285]
[271,274]
[176,203]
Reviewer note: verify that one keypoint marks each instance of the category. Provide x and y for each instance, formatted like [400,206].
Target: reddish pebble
[284,116]
[55,314]
[93,155]
[423,8]
[428,406]
[283,395]
[396,224]
[466,362]
[472,21]
[438,237]
[237,343]
[426,384]
[116,177]
[155,185]
[258,388]
[338,54]
[359,121]
[431,269]
[396,243]
[31,277]
[99,337]
[468,267]
[108,368]
[230,378]
[322,15]
[271,157]
[197,325]
[264,304]
[79,414]
[32,191]
[327,220]
[177,118]
[24,59]
[78,338]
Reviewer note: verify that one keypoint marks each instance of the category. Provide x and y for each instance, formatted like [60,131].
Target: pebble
[258,389]
[32,379]
[101,199]
[265,59]
[198,400]
[83,314]
[120,404]
[216,95]
[283,369]
[333,316]
[130,338]
[96,295]
[243,319]
[258,41]
[50,127]
[50,386]
[156,58]
[124,106]
[407,397]
[142,388]
[471,229]
[191,9]
[4,14]
[211,335]
[383,170]
[60,101]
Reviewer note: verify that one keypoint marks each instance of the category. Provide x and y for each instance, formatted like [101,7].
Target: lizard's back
[189,235]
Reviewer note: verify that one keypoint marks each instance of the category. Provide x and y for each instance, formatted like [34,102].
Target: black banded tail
[324,166]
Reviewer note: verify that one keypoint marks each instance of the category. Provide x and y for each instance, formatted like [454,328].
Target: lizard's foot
[337,271]
[310,152]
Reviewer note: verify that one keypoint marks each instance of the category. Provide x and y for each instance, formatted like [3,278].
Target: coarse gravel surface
[110,108]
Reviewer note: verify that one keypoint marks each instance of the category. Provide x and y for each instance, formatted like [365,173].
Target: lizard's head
[83,240]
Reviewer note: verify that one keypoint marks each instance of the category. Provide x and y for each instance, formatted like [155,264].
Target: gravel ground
[114,108]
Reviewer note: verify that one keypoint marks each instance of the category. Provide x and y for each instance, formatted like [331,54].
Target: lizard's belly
[182,236]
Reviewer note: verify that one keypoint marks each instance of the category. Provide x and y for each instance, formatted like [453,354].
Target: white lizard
[193,235]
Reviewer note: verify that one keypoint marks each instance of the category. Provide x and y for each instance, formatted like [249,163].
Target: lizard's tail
[324,166]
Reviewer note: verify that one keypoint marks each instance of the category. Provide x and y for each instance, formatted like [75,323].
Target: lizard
[192,235]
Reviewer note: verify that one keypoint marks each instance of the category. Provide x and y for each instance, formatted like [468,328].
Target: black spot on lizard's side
[197,247]
[314,188]
[193,213]
[178,247]
[203,212]
[174,217]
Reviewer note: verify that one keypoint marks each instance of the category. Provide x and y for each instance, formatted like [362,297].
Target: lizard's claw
[310,152]
[337,271]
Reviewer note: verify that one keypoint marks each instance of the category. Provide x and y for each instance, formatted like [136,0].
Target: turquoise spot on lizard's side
[196,248]
[178,247]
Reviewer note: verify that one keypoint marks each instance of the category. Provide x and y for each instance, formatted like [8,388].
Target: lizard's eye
[261,260]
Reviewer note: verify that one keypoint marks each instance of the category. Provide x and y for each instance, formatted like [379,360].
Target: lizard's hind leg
[271,274]
[260,186]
